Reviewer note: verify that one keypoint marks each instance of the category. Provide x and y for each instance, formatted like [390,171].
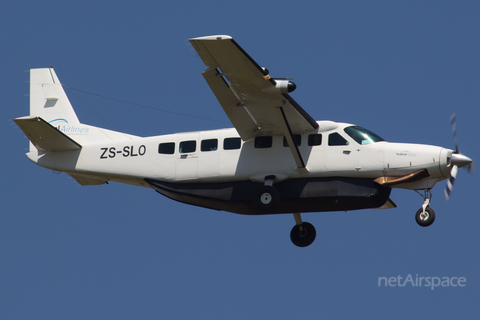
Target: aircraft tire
[425,222]
[305,237]
[267,198]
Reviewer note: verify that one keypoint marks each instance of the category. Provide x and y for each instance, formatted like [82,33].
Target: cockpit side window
[335,139]
[361,135]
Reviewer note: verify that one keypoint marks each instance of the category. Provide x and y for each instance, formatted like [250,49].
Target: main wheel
[268,198]
[303,237]
[424,220]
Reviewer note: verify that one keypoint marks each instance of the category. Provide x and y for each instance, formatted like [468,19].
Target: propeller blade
[471,168]
[458,160]
[453,123]
[450,182]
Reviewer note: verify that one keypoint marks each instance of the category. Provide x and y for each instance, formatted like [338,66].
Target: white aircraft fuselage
[108,160]
[134,159]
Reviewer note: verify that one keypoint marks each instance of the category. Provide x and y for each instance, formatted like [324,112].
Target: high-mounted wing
[255,103]
[248,95]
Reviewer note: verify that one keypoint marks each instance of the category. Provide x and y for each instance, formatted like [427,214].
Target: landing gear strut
[303,233]
[425,215]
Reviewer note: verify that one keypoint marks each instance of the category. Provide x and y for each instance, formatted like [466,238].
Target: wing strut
[291,142]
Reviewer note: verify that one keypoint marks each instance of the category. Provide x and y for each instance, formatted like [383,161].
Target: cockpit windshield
[362,135]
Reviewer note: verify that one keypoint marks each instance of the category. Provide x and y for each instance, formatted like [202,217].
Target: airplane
[276,159]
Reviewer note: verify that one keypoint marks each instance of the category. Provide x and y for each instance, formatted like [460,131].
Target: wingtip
[215,37]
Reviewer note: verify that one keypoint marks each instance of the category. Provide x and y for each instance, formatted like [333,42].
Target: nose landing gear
[425,216]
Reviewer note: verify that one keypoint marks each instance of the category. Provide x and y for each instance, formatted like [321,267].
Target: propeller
[458,160]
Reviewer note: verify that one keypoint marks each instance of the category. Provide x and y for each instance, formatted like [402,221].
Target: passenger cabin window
[314,139]
[296,137]
[232,143]
[263,142]
[188,146]
[335,139]
[209,145]
[362,135]
[166,148]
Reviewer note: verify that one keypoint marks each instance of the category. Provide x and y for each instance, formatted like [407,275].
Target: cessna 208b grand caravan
[277,159]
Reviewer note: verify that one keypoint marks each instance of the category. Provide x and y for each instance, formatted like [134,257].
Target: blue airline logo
[62,125]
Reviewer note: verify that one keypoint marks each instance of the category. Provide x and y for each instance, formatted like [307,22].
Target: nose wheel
[424,219]
[425,216]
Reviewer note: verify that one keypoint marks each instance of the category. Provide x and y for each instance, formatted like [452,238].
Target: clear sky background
[122,252]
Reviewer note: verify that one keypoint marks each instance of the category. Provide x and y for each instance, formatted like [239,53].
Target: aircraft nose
[460,160]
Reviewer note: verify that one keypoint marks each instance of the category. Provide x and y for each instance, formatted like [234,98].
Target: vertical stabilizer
[48,99]
[50,109]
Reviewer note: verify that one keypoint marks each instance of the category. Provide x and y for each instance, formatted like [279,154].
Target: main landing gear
[425,215]
[303,233]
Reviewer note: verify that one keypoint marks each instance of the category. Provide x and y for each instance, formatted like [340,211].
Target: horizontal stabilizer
[44,136]
[87,181]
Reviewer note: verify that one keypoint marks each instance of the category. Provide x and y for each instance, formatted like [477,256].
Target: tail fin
[48,99]
[50,109]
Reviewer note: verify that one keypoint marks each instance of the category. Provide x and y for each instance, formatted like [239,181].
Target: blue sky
[121,252]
